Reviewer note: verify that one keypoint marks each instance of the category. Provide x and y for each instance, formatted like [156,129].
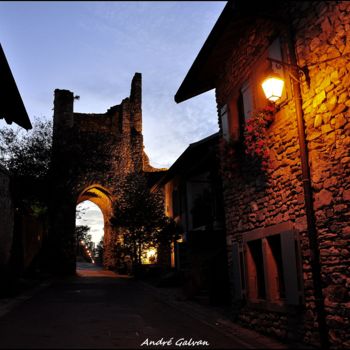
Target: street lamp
[273,87]
[273,84]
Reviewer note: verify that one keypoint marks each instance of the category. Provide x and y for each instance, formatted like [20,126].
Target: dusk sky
[94,49]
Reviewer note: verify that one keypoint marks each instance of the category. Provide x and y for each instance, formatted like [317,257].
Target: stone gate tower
[91,154]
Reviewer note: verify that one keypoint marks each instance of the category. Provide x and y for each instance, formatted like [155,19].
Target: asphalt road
[99,310]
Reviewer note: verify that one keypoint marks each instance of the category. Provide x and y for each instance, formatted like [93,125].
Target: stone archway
[90,149]
[104,200]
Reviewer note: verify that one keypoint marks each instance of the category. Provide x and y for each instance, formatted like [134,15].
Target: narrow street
[99,309]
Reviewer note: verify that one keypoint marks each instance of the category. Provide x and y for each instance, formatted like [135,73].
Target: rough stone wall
[6,217]
[322,32]
[92,150]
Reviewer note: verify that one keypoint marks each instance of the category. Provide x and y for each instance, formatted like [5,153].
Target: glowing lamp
[273,87]
[151,253]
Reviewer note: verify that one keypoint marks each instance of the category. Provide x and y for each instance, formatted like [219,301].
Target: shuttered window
[248,102]
[289,248]
[237,272]
[224,122]
[249,96]
[271,266]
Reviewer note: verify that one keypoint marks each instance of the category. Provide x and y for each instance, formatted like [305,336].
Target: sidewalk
[216,318]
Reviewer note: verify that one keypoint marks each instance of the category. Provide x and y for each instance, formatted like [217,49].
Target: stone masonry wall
[255,201]
[323,35]
[92,150]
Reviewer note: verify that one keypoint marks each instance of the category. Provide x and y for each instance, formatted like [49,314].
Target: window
[249,96]
[247,99]
[255,267]
[224,123]
[269,269]
[275,52]
[202,209]
[273,253]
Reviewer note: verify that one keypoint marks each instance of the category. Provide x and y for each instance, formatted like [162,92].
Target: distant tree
[98,252]
[140,214]
[83,239]
[82,233]
[27,153]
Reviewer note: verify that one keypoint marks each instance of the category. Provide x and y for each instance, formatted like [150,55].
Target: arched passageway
[91,154]
[102,198]
[89,230]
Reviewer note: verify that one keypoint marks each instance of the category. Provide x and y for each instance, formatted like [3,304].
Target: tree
[84,242]
[81,234]
[27,157]
[140,214]
[27,154]
[99,251]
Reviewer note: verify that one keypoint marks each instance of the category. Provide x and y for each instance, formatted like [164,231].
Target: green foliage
[84,243]
[37,208]
[82,234]
[140,214]
[99,251]
[27,153]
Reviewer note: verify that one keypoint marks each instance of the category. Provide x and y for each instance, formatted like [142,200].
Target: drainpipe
[309,208]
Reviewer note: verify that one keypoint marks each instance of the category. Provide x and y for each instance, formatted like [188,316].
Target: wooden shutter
[236,272]
[290,267]
[248,102]
[225,123]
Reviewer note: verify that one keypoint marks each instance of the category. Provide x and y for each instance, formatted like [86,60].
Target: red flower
[255,135]
[261,143]
[249,128]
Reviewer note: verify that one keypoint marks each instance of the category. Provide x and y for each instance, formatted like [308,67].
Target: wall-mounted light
[273,84]
[273,87]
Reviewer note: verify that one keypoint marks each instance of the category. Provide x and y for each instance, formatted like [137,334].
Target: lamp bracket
[302,71]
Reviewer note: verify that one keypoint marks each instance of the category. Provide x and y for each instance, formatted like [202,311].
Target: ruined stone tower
[91,154]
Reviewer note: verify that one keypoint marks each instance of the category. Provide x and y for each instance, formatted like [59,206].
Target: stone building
[193,198]
[92,154]
[287,221]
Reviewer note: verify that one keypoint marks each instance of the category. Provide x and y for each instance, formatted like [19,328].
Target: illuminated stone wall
[255,200]
[326,107]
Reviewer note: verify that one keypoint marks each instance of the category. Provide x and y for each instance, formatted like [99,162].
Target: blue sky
[94,49]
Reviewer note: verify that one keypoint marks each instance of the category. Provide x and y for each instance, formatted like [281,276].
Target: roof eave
[204,72]
[12,108]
